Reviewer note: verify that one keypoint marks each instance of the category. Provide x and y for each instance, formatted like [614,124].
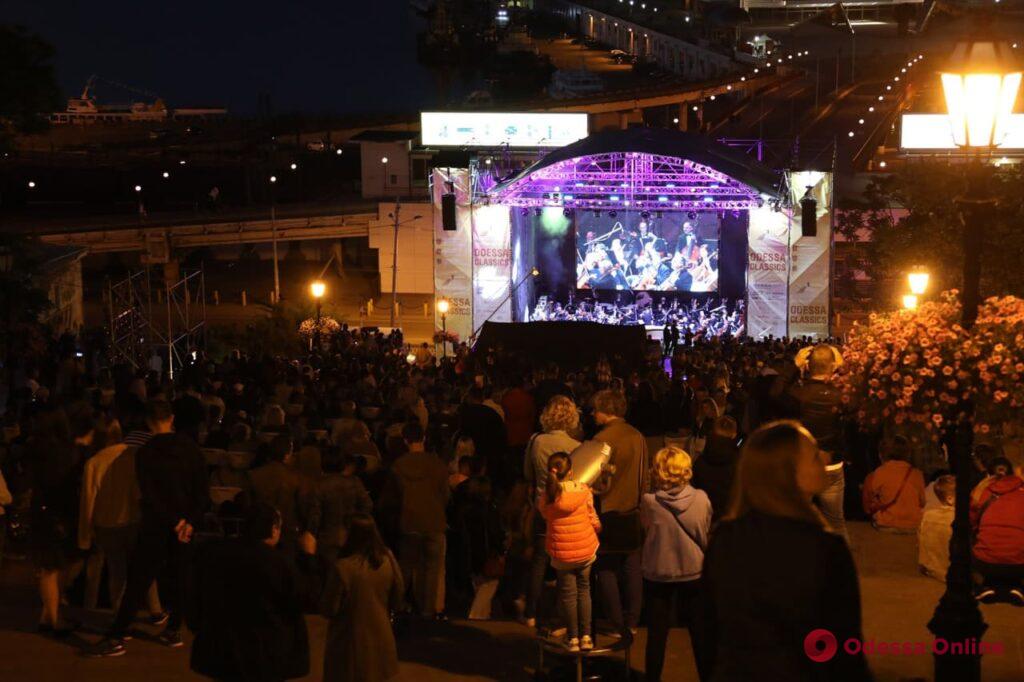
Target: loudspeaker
[809,215]
[448,211]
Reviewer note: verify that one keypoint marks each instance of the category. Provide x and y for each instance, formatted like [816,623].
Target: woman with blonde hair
[774,572]
[677,519]
[559,419]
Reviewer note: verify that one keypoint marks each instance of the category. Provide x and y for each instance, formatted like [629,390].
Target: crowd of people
[377,487]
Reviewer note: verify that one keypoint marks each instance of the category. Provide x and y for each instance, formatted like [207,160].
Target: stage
[641,227]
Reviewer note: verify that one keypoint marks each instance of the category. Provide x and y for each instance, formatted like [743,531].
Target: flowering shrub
[996,347]
[450,337]
[908,366]
[328,327]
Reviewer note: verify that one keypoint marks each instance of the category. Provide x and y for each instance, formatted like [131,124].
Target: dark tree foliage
[28,84]
[911,219]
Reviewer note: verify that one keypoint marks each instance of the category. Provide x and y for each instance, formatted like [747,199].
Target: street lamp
[442,307]
[317,289]
[918,281]
[909,301]
[980,85]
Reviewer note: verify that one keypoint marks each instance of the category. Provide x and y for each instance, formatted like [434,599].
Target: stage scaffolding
[149,311]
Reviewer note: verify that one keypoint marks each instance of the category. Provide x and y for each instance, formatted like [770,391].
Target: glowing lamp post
[442,307]
[918,281]
[317,289]
[909,302]
[980,84]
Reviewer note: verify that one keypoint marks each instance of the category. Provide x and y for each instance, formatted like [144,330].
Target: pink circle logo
[820,645]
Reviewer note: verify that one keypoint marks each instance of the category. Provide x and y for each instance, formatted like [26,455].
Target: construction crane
[91,83]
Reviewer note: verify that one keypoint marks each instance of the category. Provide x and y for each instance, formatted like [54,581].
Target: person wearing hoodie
[175,493]
[572,527]
[714,471]
[423,481]
[997,517]
[677,518]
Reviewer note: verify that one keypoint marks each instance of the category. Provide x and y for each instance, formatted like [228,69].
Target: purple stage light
[630,179]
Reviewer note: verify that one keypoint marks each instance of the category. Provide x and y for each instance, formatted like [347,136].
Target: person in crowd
[279,485]
[755,614]
[707,413]
[571,542]
[5,499]
[997,517]
[348,425]
[61,443]
[818,406]
[362,588]
[246,607]
[550,385]
[618,561]
[677,520]
[715,469]
[233,472]
[189,413]
[486,428]
[109,520]
[520,414]
[476,542]
[338,495]
[893,493]
[422,480]
[936,528]
[465,463]
[558,420]
[174,488]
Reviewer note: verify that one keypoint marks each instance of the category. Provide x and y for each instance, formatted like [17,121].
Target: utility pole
[817,79]
[394,264]
[273,239]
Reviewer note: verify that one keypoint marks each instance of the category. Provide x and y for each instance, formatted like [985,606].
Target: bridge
[293,223]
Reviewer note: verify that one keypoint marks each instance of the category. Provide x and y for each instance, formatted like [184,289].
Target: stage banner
[453,256]
[810,259]
[492,264]
[767,267]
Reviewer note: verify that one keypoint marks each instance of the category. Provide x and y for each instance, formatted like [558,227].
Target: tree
[28,84]
[912,220]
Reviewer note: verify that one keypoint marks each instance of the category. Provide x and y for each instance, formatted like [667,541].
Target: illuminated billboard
[476,129]
[933,132]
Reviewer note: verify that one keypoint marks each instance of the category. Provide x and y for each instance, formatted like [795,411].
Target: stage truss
[628,181]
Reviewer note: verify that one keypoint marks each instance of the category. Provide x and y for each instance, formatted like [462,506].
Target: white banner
[497,129]
[453,264]
[811,265]
[492,265]
[767,267]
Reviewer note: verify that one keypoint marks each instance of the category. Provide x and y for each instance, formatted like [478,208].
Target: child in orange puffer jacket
[572,527]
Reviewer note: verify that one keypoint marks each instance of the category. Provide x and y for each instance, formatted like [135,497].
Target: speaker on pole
[809,214]
[448,211]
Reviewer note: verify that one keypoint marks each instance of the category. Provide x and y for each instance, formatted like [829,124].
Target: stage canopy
[641,169]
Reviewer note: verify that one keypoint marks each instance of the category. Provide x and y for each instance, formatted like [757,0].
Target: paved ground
[897,604]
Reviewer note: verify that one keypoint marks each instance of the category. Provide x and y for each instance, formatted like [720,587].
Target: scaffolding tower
[149,311]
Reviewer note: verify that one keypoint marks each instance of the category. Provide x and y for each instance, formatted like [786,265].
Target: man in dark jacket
[338,495]
[818,405]
[715,469]
[278,484]
[247,605]
[175,494]
[422,479]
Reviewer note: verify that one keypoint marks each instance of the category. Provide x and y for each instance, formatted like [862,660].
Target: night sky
[314,56]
